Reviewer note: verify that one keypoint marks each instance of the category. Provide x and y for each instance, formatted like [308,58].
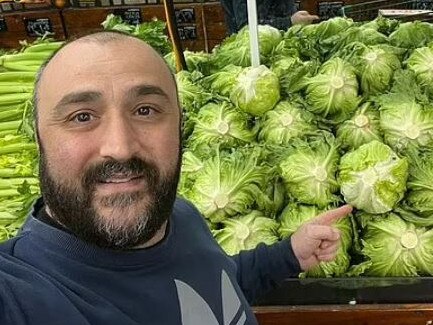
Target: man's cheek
[60,169]
[64,161]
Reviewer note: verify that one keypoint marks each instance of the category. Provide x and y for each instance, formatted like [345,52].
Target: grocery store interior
[291,109]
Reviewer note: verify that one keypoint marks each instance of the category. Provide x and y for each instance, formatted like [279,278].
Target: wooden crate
[17,24]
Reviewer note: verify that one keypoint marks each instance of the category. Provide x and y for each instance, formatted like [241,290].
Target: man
[280,14]
[109,243]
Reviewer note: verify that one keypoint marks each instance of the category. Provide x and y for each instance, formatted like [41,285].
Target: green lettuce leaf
[285,122]
[309,168]
[363,127]
[257,90]
[397,248]
[230,184]
[373,178]
[333,92]
[221,124]
[246,232]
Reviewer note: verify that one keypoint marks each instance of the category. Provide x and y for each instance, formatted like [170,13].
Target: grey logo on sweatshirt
[196,311]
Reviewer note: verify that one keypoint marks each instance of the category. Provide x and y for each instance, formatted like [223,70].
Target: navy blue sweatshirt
[48,276]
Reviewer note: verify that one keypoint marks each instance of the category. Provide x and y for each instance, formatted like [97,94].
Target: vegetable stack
[338,112]
[18,155]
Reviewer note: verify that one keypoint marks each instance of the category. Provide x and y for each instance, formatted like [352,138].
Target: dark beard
[73,207]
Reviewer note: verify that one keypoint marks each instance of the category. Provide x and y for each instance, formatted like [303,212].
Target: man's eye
[144,110]
[82,117]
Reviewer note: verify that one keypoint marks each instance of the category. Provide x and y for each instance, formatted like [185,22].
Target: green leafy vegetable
[223,124]
[256,91]
[195,61]
[411,35]
[308,170]
[285,122]
[152,32]
[406,124]
[223,81]
[376,66]
[191,164]
[397,248]
[231,184]
[373,178]
[363,127]
[246,232]
[419,198]
[191,95]
[333,92]
[421,63]
[384,25]
[236,48]
[293,73]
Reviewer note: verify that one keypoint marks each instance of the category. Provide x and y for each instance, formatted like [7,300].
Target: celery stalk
[16,148]
[11,114]
[10,125]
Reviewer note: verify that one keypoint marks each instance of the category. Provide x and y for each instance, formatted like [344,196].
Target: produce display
[19,185]
[338,112]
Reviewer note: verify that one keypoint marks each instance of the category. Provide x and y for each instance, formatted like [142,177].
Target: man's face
[108,128]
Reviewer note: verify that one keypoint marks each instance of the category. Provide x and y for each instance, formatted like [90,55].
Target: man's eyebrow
[77,98]
[145,90]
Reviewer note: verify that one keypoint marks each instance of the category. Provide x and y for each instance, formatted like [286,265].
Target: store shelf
[410,314]
[203,32]
[28,25]
[356,290]
[354,301]
[331,8]
[201,25]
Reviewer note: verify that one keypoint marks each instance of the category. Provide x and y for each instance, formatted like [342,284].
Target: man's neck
[159,236]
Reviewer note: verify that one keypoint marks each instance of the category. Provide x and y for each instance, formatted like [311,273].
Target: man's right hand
[318,240]
[303,17]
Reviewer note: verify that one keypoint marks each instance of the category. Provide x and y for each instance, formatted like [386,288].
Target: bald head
[108,127]
[103,38]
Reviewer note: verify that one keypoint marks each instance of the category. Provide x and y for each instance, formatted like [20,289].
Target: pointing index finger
[330,217]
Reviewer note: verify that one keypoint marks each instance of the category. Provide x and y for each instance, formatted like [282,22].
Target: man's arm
[261,269]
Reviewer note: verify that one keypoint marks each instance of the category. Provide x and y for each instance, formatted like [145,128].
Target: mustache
[132,168]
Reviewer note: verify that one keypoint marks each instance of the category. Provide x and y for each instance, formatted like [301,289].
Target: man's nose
[118,140]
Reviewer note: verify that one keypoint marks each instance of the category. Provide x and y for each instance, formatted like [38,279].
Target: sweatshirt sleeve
[276,13]
[263,268]
[282,23]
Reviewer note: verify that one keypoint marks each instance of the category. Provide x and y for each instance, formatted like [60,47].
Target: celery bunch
[19,185]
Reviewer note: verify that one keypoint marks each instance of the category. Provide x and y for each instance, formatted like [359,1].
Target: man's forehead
[126,54]
[85,50]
